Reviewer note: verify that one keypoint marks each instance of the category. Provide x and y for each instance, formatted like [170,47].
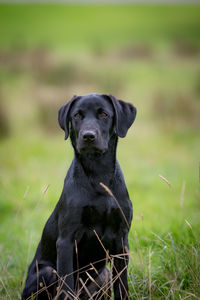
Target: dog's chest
[101,215]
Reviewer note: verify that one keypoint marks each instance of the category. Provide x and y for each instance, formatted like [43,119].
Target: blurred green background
[145,54]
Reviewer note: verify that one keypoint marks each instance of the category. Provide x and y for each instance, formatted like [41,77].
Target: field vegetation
[145,54]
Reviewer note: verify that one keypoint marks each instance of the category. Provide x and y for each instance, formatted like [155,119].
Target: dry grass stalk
[107,254]
[171,291]
[92,279]
[116,256]
[156,235]
[26,192]
[199,172]
[76,250]
[139,218]
[182,195]
[111,194]
[188,293]
[70,294]
[85,287]
[5,289]
[150,279]
[189,225]
[165,180]
[45,190]
[96,287]
[37,272]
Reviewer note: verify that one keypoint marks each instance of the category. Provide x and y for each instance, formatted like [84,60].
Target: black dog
[89,225]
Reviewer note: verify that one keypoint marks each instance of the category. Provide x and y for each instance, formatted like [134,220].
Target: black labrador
[89,225]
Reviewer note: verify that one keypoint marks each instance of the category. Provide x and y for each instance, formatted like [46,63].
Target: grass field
[147,55]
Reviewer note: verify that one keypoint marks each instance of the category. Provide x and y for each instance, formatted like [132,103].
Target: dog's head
[92,119]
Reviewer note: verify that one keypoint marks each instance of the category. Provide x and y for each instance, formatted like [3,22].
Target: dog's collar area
[91,155]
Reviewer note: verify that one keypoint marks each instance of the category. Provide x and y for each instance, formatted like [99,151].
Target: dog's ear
[63,115]
[125,114]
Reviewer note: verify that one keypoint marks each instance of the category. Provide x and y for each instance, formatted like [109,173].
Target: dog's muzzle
[89,142]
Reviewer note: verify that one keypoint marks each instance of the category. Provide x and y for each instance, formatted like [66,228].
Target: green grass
[147,55]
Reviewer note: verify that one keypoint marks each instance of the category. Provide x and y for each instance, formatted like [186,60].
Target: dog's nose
[89,136]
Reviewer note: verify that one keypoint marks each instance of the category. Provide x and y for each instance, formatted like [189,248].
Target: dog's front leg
[120,278]
[65,251]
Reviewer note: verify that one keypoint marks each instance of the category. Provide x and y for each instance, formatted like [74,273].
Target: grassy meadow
[145,54]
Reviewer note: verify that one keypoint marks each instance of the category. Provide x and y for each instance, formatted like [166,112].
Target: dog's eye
[103,115]
[78,116]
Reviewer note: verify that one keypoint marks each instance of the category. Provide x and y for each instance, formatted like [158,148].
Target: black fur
[87,223]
